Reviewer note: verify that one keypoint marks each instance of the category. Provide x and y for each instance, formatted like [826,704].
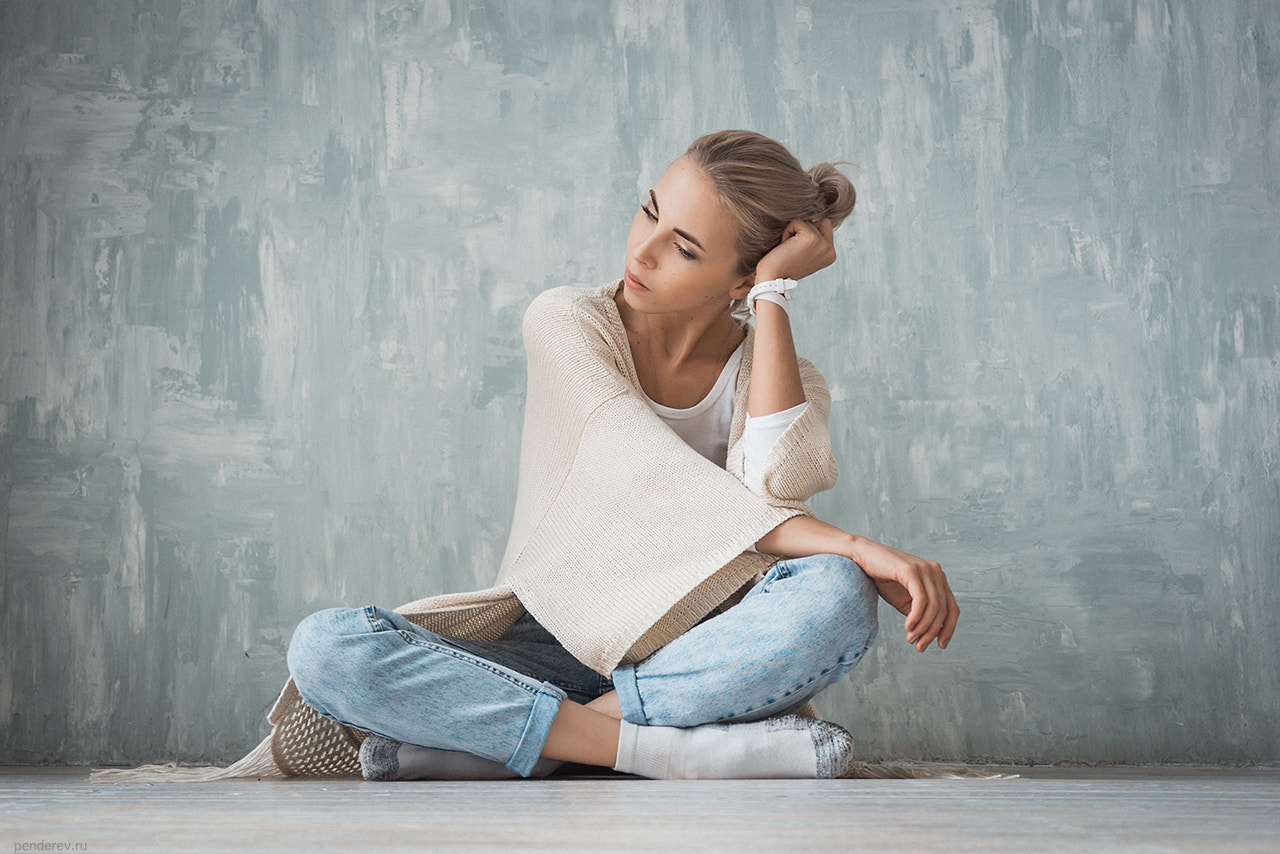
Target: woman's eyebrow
[653,200]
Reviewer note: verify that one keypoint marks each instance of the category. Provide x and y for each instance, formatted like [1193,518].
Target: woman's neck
[678,357]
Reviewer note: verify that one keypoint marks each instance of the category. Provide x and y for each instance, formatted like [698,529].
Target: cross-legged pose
[667,604]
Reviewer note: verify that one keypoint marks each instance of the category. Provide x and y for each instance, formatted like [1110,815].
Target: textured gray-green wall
[262,266]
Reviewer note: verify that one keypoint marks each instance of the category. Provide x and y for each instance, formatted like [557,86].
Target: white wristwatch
[775,291]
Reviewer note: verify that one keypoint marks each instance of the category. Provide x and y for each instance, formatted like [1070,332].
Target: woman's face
[681,254]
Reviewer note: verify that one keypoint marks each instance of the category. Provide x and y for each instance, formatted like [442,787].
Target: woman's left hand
[806,248]
[917,587]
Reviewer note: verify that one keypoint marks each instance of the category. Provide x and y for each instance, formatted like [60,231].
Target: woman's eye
[653,217]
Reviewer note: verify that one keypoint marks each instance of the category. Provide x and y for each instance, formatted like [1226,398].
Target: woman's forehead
[687,199]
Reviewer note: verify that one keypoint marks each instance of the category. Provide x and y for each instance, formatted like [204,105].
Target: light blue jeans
[798,630]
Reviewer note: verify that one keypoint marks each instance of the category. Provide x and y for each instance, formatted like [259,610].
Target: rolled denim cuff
[624,682]
[546,703]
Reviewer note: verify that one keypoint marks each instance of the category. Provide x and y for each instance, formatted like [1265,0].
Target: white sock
[384,759]
[775,748]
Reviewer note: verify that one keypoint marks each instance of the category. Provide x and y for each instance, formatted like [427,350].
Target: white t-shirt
[705,425]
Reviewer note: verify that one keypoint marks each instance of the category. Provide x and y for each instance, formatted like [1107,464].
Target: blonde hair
[764,188]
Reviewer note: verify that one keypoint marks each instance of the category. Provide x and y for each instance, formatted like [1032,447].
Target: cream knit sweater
[616,517]
[623,537]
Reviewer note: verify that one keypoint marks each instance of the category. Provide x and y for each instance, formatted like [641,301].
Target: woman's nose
[644,251]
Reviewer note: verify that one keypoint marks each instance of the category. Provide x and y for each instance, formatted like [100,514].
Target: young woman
[667,603]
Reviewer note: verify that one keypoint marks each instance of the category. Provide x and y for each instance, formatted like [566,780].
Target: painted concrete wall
[262,265]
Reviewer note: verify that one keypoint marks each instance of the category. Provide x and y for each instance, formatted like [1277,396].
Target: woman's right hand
[806,248]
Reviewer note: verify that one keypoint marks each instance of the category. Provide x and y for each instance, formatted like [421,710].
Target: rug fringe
[257,763]
[912,770]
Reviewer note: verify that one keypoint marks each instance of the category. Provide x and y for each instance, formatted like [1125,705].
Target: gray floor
[1043,810]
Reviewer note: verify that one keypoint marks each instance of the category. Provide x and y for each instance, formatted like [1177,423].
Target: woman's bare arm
[917,587]
[775,372]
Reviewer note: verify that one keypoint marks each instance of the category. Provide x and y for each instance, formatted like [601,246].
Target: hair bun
[835,190]
[765,189]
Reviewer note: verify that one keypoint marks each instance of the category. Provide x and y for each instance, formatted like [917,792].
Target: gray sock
[384,759]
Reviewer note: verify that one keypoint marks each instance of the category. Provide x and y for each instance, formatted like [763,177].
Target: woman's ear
[744,287]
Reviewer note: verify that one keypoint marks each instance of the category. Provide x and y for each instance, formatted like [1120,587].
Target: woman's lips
[633,282]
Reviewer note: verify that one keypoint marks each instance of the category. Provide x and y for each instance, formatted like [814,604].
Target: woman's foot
[774,748]
[378,758]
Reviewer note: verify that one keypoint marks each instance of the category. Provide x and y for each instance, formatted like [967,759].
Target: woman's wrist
[777,291]
[768,272]
[853,547]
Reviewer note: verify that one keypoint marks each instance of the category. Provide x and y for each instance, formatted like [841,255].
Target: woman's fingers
[820,247]
[934,612]
[918,588]
[949,627]
[805,248]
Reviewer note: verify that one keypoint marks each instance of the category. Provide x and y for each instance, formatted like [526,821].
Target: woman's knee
[863,602]
[317,653]
[835,578]
[846,600]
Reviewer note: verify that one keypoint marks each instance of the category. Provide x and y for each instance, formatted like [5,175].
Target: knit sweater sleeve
[800,463]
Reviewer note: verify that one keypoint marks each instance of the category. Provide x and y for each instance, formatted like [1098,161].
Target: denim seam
[468,658]
[375,622]
[779,572]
